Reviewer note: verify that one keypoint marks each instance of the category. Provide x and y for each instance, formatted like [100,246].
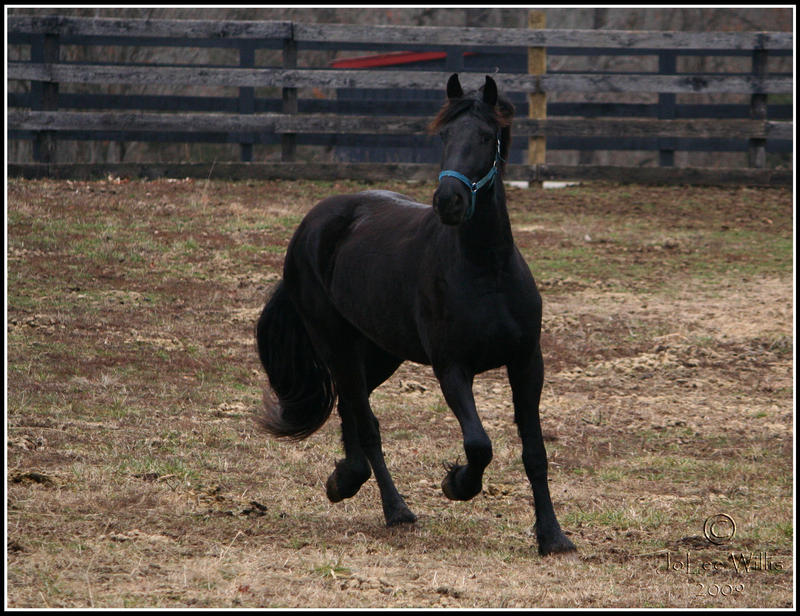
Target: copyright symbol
[719,529]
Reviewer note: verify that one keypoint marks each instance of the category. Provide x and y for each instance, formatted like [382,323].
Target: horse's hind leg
[361,434]
[526,378]
[465,481]
[357,367]
[395,510]
[354,470]
[355,386]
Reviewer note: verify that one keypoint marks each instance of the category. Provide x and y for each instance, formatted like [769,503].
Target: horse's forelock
[502,114]
[505,112]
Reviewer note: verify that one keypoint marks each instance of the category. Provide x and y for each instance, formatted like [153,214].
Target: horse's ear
[454,87]
[490,92]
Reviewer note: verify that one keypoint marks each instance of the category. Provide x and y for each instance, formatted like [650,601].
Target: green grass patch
[332,569]
[618,519]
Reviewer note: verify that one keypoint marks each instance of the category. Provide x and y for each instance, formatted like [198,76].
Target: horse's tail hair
[300,380]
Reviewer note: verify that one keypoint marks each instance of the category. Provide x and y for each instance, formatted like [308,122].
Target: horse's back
[363,253]
[369,224]
[391,198]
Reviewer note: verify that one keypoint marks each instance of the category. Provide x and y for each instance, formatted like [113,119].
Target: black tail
[299,378]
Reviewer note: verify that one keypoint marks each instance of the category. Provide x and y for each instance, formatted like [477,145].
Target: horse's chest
[485,325]
[500,322]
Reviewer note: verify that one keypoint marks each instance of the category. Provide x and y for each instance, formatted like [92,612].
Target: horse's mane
[502,115]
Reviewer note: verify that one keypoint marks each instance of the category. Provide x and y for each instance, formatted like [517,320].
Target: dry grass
[136,477]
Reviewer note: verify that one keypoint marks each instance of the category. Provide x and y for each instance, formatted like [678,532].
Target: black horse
[373,279]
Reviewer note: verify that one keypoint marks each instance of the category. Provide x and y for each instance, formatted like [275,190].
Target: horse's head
[475,134]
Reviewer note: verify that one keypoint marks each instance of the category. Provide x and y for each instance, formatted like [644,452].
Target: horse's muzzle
[450,202]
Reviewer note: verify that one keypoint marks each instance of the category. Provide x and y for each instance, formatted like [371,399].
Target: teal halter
[474,187]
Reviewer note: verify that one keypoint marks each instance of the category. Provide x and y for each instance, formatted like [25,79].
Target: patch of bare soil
[136,477]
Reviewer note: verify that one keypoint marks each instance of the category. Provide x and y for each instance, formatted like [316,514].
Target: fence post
[667,65]
[288,144]
[757,148]
[45,50]
[247,102]
[537,102]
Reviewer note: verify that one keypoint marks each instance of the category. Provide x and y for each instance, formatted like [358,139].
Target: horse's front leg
[465,481]
[527,378]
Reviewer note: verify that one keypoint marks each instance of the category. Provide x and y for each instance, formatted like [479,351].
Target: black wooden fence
[46,115]
[413,148]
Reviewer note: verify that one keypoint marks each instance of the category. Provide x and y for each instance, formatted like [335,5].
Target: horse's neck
[486,237]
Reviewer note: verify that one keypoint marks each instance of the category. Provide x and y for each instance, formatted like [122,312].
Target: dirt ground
[136,476]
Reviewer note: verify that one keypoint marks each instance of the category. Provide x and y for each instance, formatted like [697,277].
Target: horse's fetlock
[346,479]
[479,453]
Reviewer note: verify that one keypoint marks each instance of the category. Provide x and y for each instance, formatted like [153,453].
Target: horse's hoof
[447,488]
[401,516]
[557,545]
[332,490]
[450,487]
[344,482]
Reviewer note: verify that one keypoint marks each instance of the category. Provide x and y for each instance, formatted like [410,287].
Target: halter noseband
[474,187]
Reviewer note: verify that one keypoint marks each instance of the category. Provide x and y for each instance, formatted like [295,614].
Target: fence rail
[46,120]
[322,123]
[320,78]
[408,171]
[405,35]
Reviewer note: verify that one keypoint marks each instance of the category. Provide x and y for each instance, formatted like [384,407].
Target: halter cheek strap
[474,187]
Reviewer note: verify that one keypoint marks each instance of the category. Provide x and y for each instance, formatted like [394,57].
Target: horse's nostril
[444,205]
[442,199]
[445,197]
